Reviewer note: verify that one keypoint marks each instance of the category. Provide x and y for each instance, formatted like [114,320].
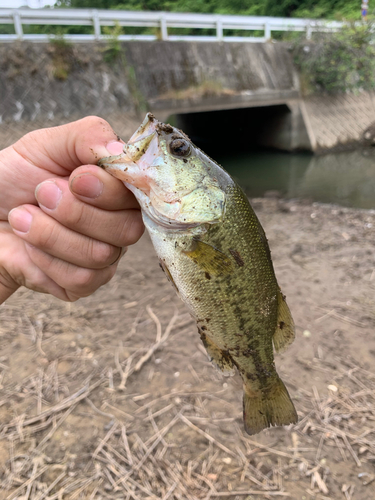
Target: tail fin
[276,408]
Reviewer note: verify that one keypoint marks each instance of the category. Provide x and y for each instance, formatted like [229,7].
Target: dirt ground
[113,397]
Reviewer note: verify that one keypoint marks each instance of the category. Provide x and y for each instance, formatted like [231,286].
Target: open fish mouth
[168,177]
[133,151]
[141,139]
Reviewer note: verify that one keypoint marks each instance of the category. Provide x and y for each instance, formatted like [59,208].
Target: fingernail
[115,147]
[20,219]
[87,185]
[48,194]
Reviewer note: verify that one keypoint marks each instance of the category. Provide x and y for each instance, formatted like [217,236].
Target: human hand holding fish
[63,221]
[215,253]
[65,231]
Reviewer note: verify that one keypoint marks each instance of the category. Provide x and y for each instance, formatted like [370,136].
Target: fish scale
[214,251]
[229,306]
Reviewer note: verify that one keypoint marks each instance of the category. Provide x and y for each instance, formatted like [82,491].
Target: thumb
[59,150]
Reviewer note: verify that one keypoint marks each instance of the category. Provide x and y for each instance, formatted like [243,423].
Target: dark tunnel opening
[238,130]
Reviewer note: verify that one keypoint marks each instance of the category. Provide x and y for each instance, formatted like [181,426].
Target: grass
[138,456]
[112,397]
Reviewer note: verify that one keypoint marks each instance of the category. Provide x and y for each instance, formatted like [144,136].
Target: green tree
[342,62]
[329,9]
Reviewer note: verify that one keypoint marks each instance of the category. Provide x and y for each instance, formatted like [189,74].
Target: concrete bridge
[257,82]
[241,93]
[257,90]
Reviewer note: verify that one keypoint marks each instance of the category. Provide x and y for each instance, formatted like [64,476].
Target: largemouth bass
[215,253]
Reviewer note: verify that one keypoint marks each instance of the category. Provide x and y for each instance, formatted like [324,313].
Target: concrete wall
[207,76]
[47,84]
[338,122]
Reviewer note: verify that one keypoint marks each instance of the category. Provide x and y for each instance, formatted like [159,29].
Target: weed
[208,88]
[112,53]
[62,54]
[139,99]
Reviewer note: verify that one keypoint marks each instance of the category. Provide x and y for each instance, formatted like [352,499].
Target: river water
[346,179]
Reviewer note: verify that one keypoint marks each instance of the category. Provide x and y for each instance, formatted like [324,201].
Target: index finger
[95,186]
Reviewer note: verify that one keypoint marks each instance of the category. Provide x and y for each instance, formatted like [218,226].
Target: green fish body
[215,253]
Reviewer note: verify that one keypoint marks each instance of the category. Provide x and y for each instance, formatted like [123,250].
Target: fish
[215,253]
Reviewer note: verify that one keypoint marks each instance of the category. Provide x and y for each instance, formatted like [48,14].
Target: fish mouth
[136,147]
[140,141]
[138,154]
[142,146]
[138,168]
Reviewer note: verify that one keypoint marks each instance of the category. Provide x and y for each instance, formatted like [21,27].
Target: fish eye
[180,147]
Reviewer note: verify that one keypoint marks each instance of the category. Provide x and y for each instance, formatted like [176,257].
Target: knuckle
[109,273]
[77,217]
[132,229]
[71,297]
[85,280]
[30,137]
[95,121]
[106,275]
[35,279]
[103,254]
[46,237]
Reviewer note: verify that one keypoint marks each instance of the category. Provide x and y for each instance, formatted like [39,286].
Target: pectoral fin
[209,259]
[220,358]
[284,333]
[164,267]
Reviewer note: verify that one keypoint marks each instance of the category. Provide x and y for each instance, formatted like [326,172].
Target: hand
[69,220]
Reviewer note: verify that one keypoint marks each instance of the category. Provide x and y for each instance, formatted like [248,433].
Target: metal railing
[162,21]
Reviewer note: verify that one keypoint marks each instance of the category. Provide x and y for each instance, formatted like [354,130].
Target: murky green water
[346,179]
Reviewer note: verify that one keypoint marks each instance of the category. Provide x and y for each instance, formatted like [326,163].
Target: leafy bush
[61,52]
[112,52]
[339,62]
[328,9]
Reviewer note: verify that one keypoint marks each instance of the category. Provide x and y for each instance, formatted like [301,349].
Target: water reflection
[344,178]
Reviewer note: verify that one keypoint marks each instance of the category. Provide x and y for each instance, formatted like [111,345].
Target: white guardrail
[160,20]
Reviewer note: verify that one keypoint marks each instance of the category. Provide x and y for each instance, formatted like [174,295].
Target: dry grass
[208,88]
[139,456]
[112,398]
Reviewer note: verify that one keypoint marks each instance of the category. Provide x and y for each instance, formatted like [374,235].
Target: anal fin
[220,358]
[284,333]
